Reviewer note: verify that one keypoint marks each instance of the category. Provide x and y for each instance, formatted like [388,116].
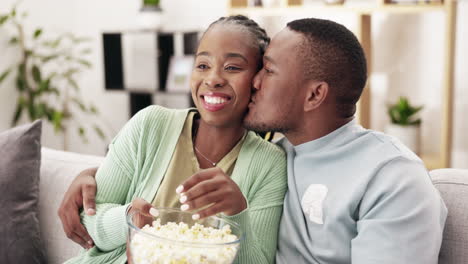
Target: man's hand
[82,191]
[143,213]
[211,187]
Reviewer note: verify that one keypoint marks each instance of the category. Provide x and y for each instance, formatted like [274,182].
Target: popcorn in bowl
[174,237]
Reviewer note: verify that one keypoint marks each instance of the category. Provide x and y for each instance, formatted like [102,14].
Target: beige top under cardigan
[184,164]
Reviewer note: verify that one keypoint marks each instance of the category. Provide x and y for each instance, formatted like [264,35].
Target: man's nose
[215,80]
[257,80]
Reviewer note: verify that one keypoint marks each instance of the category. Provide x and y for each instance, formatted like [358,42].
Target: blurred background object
[46,75]
[414,50]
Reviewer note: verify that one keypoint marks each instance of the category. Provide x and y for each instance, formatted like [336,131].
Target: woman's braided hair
[260,36]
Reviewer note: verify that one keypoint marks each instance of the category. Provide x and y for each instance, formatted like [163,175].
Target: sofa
[453,187]
[58,169]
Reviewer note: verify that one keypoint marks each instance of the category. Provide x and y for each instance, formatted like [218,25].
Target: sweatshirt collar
[329,140]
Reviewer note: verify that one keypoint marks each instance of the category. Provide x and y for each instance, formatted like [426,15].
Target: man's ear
[316,92]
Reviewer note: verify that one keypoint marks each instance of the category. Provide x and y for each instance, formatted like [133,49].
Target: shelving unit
[364,12]
[129,53]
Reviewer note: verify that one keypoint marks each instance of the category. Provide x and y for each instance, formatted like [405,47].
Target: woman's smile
[215,101]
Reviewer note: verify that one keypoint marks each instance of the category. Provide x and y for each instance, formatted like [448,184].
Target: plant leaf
[3,19]
[70,72]
[51,75]
[20,83]
[54,91]
[53,43]
[41,110]
[402,113]
[22,69]
[79,103]
[77,40]
[37,33]
[417,109]
[36,74]
[31,110]
[48,58]
[73,83]
[82,133]
[4,75]
[84,63]
[151,2]
[57,118]
[43,86]
[86,51]
[18,112]
[99,131]
[93,109]
[13,40]
[49,112]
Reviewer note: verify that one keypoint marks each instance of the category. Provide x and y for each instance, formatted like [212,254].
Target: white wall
[90,19]
[407,60]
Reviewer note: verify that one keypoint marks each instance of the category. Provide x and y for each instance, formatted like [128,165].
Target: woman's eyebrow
[228,55]
[236,55]
[203,53]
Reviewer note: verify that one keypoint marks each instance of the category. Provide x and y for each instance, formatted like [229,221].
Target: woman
[234,171]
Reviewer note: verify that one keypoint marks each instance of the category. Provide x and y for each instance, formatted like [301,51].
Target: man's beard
[262,127]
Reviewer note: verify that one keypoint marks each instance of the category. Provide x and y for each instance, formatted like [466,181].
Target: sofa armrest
[453,187]
[58,169]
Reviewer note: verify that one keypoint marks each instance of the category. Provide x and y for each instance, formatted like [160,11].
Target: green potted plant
[46,75]
[150,16]
[405,124]
[151,4]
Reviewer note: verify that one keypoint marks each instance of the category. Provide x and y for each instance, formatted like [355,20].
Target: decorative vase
[408,135]
[150,18]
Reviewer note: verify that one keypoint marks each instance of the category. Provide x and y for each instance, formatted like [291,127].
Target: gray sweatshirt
[358,196]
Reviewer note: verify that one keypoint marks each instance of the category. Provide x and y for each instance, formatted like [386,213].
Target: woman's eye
[202,66]
[232,68]
[267,70]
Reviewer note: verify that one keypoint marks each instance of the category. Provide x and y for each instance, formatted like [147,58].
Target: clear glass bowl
[148,248]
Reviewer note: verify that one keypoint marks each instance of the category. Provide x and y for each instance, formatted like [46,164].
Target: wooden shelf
[364,12]
[432,161]
[355,8]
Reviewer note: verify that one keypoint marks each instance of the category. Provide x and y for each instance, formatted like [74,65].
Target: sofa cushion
[453,187]
[20,152]
[58,169]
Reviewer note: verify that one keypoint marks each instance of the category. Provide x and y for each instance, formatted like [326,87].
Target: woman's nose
[215,80]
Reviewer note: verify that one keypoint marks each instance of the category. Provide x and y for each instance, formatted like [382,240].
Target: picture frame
[180,69]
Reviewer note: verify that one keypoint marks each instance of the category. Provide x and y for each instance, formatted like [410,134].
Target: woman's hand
[82,191]
[211,187]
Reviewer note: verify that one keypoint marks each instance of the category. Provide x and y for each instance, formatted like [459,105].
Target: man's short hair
[331,53]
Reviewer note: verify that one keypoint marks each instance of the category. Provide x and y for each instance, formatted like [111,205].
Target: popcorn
[147,250]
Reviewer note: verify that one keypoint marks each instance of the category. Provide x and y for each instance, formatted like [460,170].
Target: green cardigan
[136,163]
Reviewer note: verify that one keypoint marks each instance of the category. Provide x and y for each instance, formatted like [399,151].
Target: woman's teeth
[215,100]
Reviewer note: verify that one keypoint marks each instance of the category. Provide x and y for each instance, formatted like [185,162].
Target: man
[354,195]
